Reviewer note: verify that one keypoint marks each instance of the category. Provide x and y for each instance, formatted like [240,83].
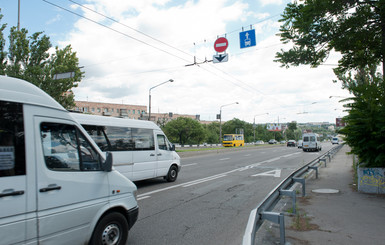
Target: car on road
[260,142]
[273,141]
[299,143]
[335,140]
[292,143]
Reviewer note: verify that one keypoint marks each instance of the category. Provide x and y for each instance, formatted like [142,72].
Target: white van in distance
[335,140]
[140,148]
[311,142]
[56,187]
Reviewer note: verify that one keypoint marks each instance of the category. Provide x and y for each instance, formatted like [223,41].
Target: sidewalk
[346,217]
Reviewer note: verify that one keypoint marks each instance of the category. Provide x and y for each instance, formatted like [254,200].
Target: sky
[127,47]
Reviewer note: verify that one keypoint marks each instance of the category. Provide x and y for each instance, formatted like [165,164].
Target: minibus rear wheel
[172,173]
[112,229]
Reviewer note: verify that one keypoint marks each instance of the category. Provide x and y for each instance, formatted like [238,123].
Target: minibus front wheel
[112,229]
[172,174]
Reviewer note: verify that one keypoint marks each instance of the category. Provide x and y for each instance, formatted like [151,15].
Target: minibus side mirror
[172,147]
[107,164]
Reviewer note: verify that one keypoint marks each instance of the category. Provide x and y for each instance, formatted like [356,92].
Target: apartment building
[138,112]
[109,109]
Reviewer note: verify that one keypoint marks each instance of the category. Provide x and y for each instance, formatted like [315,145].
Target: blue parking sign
[247,38]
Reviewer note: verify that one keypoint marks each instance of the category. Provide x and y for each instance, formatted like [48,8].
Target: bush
[365,123]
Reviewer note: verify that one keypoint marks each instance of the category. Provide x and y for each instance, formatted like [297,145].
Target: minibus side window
[120,138]
[12,145]
[306,138]
[66,149]
[98,135]
[161,142]
[143,139]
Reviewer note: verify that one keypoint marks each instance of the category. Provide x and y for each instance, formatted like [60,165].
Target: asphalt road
[212,198]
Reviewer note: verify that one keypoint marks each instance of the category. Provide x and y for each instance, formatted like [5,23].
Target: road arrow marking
[274,173]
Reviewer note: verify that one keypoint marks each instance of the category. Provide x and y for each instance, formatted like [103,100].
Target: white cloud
[271,2]
[120,69]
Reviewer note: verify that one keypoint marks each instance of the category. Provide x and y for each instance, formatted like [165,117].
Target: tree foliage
[212,133]
[354,28]
[365,129]
[184,131]
[30,58]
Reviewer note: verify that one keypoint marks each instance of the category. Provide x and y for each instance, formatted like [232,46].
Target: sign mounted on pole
[247,38]
[221,45]
[220,58]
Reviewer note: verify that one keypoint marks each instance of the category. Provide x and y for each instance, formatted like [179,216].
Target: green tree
[185,131]
[212,133]
[235,125]
[292,126]
[28,58]
[3,54]
[354,28]
[365,129]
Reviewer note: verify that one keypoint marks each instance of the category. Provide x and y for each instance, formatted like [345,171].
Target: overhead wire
[114,30]
[144,34]
[157,48]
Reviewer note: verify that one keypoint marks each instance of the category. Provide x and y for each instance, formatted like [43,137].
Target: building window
[105,109]
[85,109]
[128,111]
[112,110]
[133,111]
[93,109]
[98,109]
[117,110]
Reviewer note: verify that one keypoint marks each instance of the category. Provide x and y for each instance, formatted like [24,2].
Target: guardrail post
[302,181]
[277,218]
[290,193]
[323,160]
[316,170]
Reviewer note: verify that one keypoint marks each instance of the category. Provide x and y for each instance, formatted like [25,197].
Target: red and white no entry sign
[221,44]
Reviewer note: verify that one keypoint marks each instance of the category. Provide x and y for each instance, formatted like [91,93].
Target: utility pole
[18,16]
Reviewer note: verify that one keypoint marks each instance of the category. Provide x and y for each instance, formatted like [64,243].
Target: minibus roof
[17,90]
[88,119]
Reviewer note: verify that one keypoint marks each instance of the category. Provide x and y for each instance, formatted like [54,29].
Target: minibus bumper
[132,216]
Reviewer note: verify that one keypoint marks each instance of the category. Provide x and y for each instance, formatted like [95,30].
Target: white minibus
[140,148]
[56,186]
[311,142]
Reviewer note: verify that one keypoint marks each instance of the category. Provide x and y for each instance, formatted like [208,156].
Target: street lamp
[220,120]
[149,97]
[254,122]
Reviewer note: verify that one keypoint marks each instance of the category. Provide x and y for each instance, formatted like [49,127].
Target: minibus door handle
[159,154]
[7,193]
[152,154]
[50,188]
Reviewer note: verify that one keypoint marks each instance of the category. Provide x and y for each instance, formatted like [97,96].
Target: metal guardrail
[263,211]
[207,145]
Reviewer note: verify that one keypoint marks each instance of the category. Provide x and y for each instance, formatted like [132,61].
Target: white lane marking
[273,159]
[274,173]
[204,180]
[224,159]
[194,182]
[247,155]
[141,198]
[191,164]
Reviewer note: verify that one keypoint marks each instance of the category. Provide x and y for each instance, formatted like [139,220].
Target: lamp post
[149,97]
[220,120]
[254,122]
